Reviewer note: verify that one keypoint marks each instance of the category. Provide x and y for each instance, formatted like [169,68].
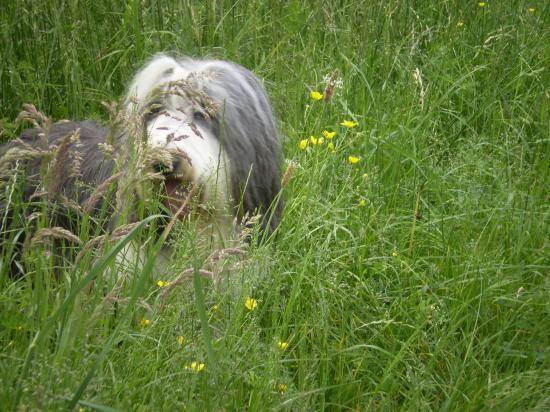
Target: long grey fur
[245,125]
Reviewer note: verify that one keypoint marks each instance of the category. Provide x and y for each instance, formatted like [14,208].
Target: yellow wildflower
[353,159]
[313,140]
[196,366]
[460,24]
[250,303]
[328,135]
[162,284]
[531,9]
[330,146]
[362,202]
[315,95]
[282,345]
[181,340]
[394,253]
[349,124]
[303,144]
[365,175]
[321,140]
[481,4]
[282,388]
[144,322]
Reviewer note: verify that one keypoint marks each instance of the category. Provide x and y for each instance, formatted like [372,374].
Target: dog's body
[211,120]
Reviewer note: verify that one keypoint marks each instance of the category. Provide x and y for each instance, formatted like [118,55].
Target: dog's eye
[152,111]
[199,115]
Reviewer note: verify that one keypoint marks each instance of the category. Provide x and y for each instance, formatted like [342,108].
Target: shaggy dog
[200,127]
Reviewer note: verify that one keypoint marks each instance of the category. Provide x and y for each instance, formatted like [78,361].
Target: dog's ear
[249,136]
[145,82]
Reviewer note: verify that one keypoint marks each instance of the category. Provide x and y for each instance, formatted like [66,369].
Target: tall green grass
[416,279]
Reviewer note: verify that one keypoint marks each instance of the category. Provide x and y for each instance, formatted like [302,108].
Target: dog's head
[215,120]
[179,117]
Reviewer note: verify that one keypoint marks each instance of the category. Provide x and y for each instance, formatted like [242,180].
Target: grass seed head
[46,234]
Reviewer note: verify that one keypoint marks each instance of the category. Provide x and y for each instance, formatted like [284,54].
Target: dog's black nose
[162,168]
[167,169]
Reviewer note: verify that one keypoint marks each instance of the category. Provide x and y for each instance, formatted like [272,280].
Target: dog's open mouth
[178,196]
[176,186]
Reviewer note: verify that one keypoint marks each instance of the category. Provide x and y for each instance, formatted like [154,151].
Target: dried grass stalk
[183,208]
[222,254]
[65,163]
[331,85]
[43,235]
[182,277]
[31,114]
[98,193]
[289,172]
[20,151]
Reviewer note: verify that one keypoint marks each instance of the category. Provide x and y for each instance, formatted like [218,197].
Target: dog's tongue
[175,196]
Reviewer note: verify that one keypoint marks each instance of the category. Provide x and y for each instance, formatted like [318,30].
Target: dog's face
[179,117]
[215,120]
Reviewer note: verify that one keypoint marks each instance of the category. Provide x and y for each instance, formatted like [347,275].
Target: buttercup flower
[144,322]
[313,140]
[394,253]
[531,9]
[282,345]
[353,159]
[481,4]
[181,340]
[250,304]
[321,140]
[303,144]
[162,284]
[196,366]
[315,95]
[328,135]
[460,24]
[282,388]
[365,175]
[349,124]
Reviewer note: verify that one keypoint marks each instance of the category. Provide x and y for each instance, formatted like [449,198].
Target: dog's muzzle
[177,184]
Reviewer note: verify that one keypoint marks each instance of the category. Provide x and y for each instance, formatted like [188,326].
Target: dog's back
[82,151]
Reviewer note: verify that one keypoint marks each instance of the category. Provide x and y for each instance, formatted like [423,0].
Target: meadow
[411,270]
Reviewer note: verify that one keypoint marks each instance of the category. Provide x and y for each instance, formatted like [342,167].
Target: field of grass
[414,275]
